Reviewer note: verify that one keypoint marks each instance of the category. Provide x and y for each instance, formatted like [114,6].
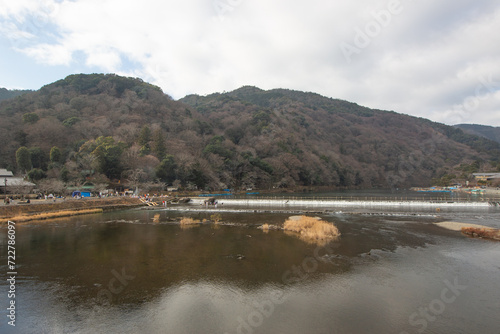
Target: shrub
[189,221]
[489,233]
[312,229]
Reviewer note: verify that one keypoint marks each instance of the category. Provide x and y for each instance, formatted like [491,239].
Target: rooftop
[5,173]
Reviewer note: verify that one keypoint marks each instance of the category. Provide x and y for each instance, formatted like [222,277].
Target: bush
[36,174]
[312,229]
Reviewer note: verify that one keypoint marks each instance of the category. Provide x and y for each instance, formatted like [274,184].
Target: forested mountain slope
[97,128]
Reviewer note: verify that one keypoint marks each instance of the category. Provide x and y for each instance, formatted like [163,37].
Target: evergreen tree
[55,154]
[159,146]
[38,158]
[23,159]
[144,140]
[167,170]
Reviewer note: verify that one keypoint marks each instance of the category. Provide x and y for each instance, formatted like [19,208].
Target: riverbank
[472,230]
[64,208]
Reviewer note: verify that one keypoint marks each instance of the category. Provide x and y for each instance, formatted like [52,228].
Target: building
[486,176]
[14,184]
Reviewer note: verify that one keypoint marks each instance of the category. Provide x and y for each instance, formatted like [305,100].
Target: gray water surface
[121,273]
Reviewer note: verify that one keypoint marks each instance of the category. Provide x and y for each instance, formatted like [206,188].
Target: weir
[351,203]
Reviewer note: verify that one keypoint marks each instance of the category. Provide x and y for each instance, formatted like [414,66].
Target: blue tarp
[80,194]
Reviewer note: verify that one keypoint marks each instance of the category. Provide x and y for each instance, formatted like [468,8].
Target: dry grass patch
[50,215]
[187,222]
[488,233]
[216,218]
[312,229]
[268,227]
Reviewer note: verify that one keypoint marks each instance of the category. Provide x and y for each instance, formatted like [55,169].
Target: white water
[346,203]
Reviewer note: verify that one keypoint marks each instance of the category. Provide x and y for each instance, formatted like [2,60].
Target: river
[126,272]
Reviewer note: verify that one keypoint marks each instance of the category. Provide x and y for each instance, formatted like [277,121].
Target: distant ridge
[490,132]
[8,94]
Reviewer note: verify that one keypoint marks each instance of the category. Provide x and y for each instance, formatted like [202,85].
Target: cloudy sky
[434,59]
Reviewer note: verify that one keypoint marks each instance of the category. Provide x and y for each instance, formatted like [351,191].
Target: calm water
[121,273]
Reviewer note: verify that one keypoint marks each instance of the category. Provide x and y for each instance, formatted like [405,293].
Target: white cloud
[427,60]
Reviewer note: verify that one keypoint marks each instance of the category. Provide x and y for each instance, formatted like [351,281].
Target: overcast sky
[434,59]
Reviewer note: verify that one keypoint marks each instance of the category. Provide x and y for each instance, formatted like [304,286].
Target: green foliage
[23,159]
[69,122]
[235,134]
[21,137]
[203,128]
[30,118]
[36,174]
[197,176]
[144,136]
[64,175]
[144,139]
[55,154]
[38,158]
[108,155]
[216,146]
[471,168]
[167,170]
[257,162]
[84,84]
[261,119]
[159,147]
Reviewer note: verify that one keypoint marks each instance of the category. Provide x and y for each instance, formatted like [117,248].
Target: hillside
[329,141]
[489,132]
[8,94]
[101,128]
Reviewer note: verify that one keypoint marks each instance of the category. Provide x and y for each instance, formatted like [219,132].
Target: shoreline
[64,208]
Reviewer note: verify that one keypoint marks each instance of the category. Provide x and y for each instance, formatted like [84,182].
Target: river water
[125,272]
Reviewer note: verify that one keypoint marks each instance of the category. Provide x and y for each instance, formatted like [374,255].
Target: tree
[144,139]
[197,177]
[55,155]
[64,174]
[167,170]
[52,186]
[108,154]
[23,159]
[36,174]
[38,158]
[30,118]
[159,146]
[135,177]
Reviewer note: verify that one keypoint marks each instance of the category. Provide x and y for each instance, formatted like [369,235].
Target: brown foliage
[488,233]
[312,229]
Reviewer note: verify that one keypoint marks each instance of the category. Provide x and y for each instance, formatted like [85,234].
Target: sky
[434,59]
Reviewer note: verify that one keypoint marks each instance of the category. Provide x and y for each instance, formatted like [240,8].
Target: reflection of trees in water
[82,253]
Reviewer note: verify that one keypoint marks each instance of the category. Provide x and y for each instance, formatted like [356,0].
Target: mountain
[98,128]
[330,141]
[489,132]
[8,94]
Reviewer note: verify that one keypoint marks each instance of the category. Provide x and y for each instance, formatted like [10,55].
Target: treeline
[106,129]
[8,94]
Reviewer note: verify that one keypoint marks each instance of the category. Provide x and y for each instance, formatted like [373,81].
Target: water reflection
[123,272]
